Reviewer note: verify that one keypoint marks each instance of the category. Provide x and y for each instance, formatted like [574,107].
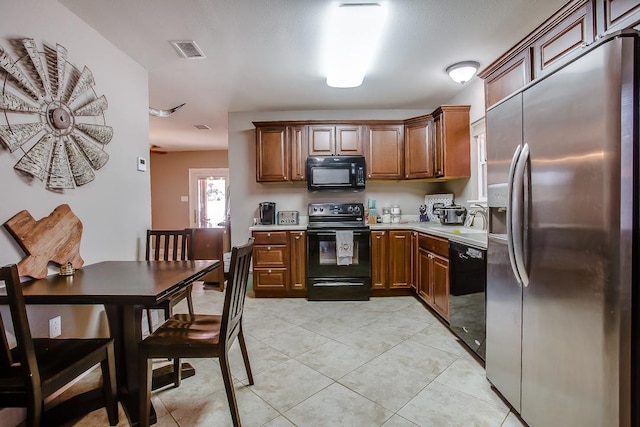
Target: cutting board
[55,238]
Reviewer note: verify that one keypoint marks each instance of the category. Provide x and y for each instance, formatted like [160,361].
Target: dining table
[124,288]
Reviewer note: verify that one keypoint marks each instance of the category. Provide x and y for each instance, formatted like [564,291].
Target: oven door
[322,261]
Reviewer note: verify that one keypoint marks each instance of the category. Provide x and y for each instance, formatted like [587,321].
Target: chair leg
[245,355]
[190,301]
[108,367]
[145,365]
[177,374]
[228,386]
[149,320]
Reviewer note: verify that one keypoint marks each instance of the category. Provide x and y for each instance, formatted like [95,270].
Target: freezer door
[504,293]
[576,308]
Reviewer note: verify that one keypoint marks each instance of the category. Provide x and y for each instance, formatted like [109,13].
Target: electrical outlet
[55,327]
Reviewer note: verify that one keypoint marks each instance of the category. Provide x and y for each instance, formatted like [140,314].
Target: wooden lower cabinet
[400,259]
[433,273]
[379,259]
[279,263]
[391,253]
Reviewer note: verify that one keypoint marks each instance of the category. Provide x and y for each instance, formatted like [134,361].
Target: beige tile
[261,327]
[166,421]
[469,377]
[441,338]
[99,418]
[279,422]
[422,359]
[288,384]
[331,326]
[391,386]
[335,359]
[214,411]
[512,420]
[398,421]
[337,406]
[296,341]
[373,339]
[439,405]
[261,357]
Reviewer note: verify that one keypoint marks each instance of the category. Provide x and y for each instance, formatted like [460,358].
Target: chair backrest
[24,344]
[169,245]
[235,292]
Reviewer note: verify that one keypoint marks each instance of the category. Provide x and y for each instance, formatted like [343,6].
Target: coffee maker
[267,212]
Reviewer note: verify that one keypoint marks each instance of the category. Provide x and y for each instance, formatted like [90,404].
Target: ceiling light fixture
[353,33]
[463,71]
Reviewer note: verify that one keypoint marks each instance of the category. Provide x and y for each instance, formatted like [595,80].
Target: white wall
[115,208]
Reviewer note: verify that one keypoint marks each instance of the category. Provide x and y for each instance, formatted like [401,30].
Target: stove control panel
[342,210]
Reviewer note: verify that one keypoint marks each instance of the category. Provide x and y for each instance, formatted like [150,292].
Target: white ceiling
[264,55]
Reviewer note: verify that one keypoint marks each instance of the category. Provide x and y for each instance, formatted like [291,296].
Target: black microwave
[335,173]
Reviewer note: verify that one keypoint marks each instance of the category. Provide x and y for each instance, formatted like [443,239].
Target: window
[208,197]
[479,162]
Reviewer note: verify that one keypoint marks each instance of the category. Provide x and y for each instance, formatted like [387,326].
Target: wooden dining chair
[38,367]
[202,336]
[169,245]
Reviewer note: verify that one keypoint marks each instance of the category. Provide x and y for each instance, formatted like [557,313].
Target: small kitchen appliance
[451,215]
[267,212]
[288,217]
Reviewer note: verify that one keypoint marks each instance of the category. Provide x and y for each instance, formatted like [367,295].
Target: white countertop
[470,236]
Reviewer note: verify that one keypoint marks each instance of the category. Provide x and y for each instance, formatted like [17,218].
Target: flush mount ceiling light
[353,32]
[463,71]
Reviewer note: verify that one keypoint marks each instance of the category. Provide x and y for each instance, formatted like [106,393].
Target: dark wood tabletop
[124,288]
[116,282]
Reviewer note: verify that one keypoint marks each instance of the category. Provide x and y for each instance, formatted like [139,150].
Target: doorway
[208,197]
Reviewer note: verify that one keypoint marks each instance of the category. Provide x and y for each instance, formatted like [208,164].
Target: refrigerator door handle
[518,217]
[510,245]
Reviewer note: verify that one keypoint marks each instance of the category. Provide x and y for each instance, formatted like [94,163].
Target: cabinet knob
[269,271]
[268,248]
[285,177]
[268,234]
[298,236]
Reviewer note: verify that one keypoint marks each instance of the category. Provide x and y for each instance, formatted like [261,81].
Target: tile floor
[385,362]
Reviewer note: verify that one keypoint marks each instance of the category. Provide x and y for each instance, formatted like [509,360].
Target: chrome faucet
[477,210]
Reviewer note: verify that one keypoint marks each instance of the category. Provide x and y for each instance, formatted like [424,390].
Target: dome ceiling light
[462,72]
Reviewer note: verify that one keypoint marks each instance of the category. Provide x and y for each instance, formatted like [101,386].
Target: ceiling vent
[202,127]
[188,49]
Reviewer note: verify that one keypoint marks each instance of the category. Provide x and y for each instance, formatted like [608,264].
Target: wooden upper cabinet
[272,154]
[384,151]
[508,78]
[557,40]
[335,140]
[564,39]
[299,146]
[349,140]
[281,152]
[620,14]
[418,151]
[452,141]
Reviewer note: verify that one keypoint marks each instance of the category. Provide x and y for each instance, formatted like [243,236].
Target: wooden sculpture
[55,238]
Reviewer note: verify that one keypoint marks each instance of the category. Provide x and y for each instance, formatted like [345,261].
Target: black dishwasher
[467,297]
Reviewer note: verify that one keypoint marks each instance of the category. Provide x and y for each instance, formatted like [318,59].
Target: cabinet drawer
[270,256]
[270,278]
[270,238]
[436,245]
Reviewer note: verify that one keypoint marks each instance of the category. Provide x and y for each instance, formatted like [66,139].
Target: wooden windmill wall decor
[52,115]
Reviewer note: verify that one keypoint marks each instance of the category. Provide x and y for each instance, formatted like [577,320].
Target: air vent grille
[202,127]
[188,49]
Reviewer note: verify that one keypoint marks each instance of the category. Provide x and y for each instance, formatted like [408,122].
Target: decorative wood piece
[55,238]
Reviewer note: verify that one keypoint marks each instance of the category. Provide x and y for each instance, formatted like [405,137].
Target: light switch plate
[142,164]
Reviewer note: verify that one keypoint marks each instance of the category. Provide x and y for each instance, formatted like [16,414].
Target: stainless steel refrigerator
[562,262]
